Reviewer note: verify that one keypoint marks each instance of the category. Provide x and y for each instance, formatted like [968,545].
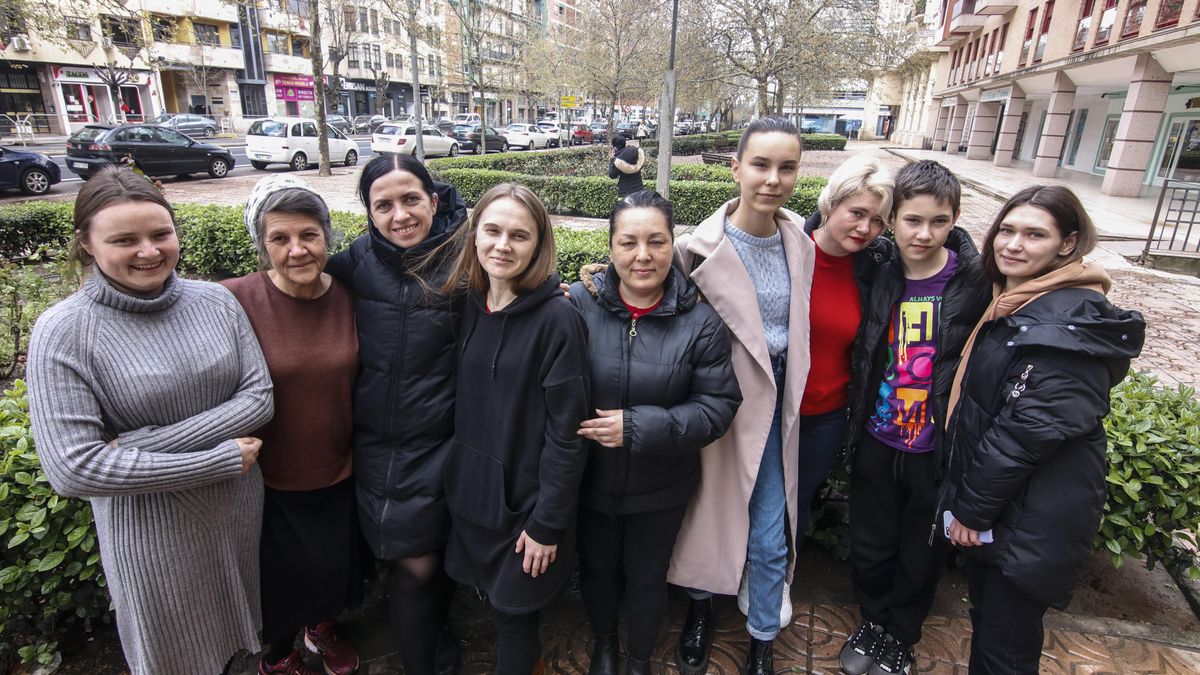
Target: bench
[716,158]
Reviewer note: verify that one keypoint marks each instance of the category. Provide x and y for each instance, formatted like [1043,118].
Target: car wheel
[351,158]
[258,165]
[209,132]
[454,150]
[218,167]
[479,148]
[35,182]
[300,162]
[530,148]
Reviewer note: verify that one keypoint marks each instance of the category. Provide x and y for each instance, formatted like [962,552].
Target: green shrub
[29,226]
[693,145]
[50,575]
[577,248]
[27,288]
[824,142]
[591,160]
[708,172]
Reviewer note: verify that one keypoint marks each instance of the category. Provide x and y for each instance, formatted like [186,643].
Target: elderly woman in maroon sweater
[304,320]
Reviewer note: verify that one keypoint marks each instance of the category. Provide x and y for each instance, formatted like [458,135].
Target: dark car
[339,122]
[32,172]
[192,125]
[600,133]
[444,125]
[467,136]
[155,150]
[367,124]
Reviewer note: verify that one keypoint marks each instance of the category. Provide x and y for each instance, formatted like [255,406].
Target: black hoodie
[404,393]
[517,460]
[1027,447]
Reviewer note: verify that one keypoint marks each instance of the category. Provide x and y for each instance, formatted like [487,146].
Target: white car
[467,118]
[294,141]
[559,134]
[528,136]
[401,139]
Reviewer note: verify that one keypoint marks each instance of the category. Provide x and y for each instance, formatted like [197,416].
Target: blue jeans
[767,551]
[821,436]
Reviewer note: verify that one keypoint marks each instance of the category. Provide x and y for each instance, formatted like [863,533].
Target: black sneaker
[894,658]
[859,652]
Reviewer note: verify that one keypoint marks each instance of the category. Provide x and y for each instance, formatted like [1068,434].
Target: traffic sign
[568,102]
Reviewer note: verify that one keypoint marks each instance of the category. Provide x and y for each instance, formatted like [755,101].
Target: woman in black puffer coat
[1026,436]
[626,166]
[664,387]
[404,393]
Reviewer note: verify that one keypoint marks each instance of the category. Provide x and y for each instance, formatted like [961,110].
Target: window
[162,28]
[207,34]
[277,43]
[1168,13]
[374,22]
[348,18]
[387,26]
[1107,19]
[1030,27]
[136,135]
[298,46]
[12,23]
[431,61]
[991,54]
[254,100]
[79,28]
[1000,52]
[172,137]
[1133,18]
[297,8]
[310,129]
[1085,23]
[352,55]
[378,62]
[235,35]
[364,22]
[391,60]
[1077,136]
[1047,15]
[1107,139]
[122,31]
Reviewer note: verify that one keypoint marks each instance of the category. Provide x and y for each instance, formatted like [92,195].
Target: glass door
[1180,157]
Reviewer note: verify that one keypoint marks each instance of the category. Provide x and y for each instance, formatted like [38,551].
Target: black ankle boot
[695,641]
[449,655]
[637,666]
[605,654]
[761,660]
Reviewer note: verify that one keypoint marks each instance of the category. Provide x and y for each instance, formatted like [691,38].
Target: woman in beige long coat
[754,265]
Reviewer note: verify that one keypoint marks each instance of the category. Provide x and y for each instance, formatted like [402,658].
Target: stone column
[1009,126]
[958,118]
[979,145]
[938,121]
[1054,130]
[1138,126]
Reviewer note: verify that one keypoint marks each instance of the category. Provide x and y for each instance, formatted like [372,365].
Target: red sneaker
[339,656]
[292,665]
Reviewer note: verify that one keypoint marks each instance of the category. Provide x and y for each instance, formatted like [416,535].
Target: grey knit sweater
[172,380]
[766,262]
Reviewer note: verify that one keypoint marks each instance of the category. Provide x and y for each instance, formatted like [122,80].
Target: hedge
[727,141]
[29,226]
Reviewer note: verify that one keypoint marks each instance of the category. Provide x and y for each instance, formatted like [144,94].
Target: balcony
[963,18]
[212,56]
[994,7]
[286,63]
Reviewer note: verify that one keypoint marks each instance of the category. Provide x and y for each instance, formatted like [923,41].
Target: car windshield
[390,130]
[462,128]
[362,118]
[88,134]
[516,127]
[268,128]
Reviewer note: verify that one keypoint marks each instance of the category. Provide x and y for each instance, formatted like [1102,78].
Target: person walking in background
[1027,462]
[626,166]
[925,300]
[664,387]
[404,393]
[753,263]
[143,390]
[512,481]
[312,550]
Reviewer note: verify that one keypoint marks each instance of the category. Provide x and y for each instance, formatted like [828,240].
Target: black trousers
[627,555]
[518,642]
[895,568]
[1006,624]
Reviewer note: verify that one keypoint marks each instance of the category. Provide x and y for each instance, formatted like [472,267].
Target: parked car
[468,137]
[581,134]
[632,130]
[366,124]
[156,150]
[467,118]
[31,172]
[527,136]
[401,139]
[293,140]
[192,125]
[444,125]
[340,122]
[682,129]
[600,132]
[559,135]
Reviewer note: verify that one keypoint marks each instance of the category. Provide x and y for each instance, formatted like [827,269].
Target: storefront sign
[299,81]
[89,76]
[995,95]
[294,88]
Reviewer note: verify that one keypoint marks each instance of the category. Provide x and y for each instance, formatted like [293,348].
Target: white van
[294,141]
[467,118]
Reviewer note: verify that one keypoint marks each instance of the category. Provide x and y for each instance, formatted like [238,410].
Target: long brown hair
[1068,213]
[468,273]
[108,186]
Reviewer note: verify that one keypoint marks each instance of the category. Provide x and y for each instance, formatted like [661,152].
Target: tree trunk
[762,103]
[315,50]
[412,28]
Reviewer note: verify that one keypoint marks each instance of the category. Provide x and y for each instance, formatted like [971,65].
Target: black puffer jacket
[1027,443]
[674,380]
[404,394]
[626,167]
[964,300]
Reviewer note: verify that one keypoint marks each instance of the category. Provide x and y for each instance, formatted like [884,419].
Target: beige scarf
[1077,274]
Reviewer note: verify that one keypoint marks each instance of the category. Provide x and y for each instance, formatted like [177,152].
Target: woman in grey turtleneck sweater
[142,387]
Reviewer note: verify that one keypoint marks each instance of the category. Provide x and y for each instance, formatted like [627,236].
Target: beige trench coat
[710,551]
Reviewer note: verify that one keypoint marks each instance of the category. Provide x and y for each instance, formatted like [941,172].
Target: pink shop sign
[283,93]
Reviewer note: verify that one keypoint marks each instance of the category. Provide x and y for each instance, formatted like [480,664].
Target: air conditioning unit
[21,43]
[106,43]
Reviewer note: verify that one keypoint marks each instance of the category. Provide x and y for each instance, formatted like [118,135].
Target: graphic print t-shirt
[903,417]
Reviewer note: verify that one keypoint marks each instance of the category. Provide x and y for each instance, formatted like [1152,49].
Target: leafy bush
[26,290]
[824,142]
[577,248]
[1153,474]
[693,145]
[708,172]
[591,160]
[27,227]
[50,575]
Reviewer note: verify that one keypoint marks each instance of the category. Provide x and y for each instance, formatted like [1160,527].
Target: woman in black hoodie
[664,386]
[512,481]
[404,392]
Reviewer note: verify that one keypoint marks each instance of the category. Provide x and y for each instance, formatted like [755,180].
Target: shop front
[84,97]
[21,101]
[294,95]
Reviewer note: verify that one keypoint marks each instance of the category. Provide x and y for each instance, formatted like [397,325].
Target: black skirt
[311,556]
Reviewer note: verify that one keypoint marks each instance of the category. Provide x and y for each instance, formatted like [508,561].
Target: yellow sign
[568,102]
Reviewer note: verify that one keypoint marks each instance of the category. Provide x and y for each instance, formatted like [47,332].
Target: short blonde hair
[857,175]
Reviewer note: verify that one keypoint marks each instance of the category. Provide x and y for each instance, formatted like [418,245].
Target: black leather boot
[695,641]
[761,660]
[605,654]
[449,656]
[637,666]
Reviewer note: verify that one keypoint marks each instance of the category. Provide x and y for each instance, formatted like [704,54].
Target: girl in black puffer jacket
[1026,435]
[664,387]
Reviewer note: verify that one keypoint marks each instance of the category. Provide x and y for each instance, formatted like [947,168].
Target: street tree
[320,98]
[622,55]
[418,26]
[489,49]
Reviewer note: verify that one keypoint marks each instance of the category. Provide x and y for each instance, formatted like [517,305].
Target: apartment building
[1108,88]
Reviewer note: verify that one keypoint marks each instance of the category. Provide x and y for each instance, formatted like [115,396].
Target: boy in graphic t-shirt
[922,307]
